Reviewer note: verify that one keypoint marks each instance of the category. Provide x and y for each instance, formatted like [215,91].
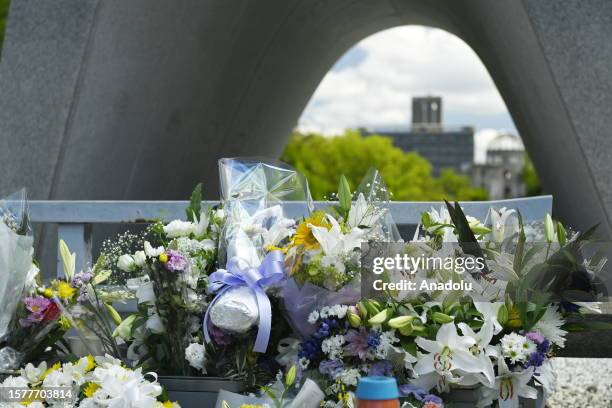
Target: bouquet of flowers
[86,307]
[28,321]
[15,255]
[326,249]
[166,334]
[89,382]
[326,245]
[35,329]
[244,317]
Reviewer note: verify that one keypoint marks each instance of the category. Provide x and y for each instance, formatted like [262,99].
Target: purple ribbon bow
[271,270]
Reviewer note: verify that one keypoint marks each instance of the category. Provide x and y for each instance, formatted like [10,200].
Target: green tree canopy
[4,7]
[408,176]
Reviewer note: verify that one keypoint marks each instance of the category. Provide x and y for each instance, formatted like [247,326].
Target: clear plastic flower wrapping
[255,194]
[16,267]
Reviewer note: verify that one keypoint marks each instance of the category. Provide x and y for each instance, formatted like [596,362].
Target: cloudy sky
[373,83]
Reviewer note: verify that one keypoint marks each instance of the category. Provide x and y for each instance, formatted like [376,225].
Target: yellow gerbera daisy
[90,389]
[91,363]
[64,290]
[303,234]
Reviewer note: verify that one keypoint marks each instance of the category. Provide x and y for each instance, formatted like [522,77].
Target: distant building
[502,173]
[427,113]
[444,148]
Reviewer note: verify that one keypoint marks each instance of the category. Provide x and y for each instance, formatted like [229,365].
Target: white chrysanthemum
[195,354]
[15,382]
[549,326]
[332,346]
[349,377]
[339,311]
[179,228]
[121,387]
[516,347]
[313,317]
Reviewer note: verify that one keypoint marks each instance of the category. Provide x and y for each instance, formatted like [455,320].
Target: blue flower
[407,390]
[536,359]
[381,368]
[331,367]
[373,339]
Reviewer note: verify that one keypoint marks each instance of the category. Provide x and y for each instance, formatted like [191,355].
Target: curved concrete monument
[109,99]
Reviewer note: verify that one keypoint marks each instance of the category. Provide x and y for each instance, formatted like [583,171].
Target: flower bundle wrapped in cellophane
[255,196]
[325,251]
[28,320]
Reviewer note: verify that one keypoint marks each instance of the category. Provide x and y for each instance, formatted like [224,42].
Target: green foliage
[195,204]
[408,176]
[531,179]
[4,8]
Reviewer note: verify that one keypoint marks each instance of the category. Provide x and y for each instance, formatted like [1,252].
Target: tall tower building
[426,112]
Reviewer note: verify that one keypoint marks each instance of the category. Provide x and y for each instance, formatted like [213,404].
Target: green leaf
[561,234]
[195,204]
[124,329]
[520,246]
[101,277]
[345,198]
[113,314]
[68,260]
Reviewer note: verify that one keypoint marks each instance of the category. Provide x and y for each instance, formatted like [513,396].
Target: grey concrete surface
[136,99]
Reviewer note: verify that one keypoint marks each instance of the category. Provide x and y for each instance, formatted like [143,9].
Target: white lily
[363,213]
[442,217]
[281,229]
[32,373]
[508,387]
[448,353]
[482,349]
[333,242]
[499,220]
[489,312]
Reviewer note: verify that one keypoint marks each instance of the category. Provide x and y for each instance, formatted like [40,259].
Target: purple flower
[544,346]
[381,368]
[81,279]
[360,342]
[432,401]
[535,337]
[220,337]
[536,359]
[407,390]
[176,261]
[36,304]
[38,307]
[331,367]
[357,343]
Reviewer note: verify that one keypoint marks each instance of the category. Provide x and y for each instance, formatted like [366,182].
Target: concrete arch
[137,99]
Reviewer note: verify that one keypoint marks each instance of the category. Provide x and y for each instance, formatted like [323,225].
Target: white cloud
[376,80]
